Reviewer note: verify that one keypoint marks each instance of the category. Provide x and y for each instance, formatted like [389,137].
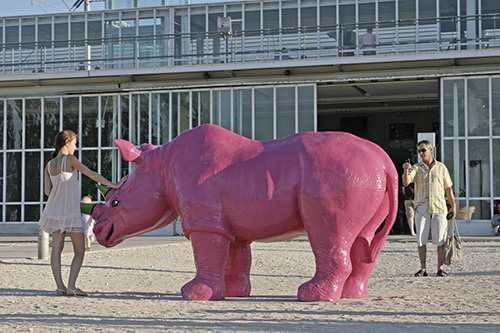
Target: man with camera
[432,180]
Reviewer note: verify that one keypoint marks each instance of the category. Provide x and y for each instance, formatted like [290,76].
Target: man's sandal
[421,273]
[76,292]
[441,273]
[61,292]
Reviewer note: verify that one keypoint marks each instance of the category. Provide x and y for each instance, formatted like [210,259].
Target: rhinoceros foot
[318,290]
[355,287]
[202,290]
[238,287]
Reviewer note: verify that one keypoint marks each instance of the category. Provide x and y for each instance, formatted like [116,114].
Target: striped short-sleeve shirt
[430,185]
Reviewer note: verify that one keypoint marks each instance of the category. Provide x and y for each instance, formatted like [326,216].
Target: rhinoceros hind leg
[331,273]
[210,253]
[238,266]
[333,263]
[356,284]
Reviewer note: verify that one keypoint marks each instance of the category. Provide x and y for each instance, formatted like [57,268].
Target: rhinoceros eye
[115,203]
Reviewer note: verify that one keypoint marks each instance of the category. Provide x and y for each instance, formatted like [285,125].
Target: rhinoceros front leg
[210,254]
[238,266]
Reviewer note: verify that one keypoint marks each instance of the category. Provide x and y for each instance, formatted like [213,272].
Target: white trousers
[425,222]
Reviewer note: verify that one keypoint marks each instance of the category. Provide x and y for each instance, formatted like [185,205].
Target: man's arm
[406,177]
[451,199]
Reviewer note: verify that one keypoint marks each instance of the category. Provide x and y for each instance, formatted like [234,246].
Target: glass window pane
[13,213]
[252,16]
[2,113]
[109,164]
[427,9]
[140,119]
[31,213]
[387,10]
[124,100]
[264,114]
[285,109]
[144,114]
[290,16]
[183,111]
[32,176]
[163,119]
[201,107]
[109,122]
[243,112]
[479,168]
[175,115]
[271,15]
[477,107]
[454,107]
[478,210]
[77,30]
[454,156]
[90,122]
[496,167]
[367,14]
[407,10]
[13,179]
[222,108]
[71,107]
[33,110]
[205,107]
[61,31]
[14,124]
[495,89]
[308,15]
[1,180]
[307,108]
[89,159]
[51,120]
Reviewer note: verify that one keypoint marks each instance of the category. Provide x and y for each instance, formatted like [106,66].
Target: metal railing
[243,46]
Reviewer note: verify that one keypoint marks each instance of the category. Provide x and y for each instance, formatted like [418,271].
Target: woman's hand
[121,182]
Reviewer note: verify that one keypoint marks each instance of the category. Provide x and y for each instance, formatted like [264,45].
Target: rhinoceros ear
[86,208]
[129,152]
[103,189]
[147,146]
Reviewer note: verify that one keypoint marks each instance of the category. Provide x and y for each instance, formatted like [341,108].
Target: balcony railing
[244,46]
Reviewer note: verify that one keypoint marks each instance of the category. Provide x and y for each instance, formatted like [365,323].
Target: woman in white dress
[62,212]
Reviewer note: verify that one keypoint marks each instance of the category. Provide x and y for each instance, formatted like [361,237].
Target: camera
[449,216]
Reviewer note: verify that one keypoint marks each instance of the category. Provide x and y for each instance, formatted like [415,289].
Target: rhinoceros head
[138,206]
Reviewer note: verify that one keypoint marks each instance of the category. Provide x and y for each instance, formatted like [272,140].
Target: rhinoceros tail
[392,191]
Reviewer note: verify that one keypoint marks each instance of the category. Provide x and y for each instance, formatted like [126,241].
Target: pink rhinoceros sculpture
[231,191]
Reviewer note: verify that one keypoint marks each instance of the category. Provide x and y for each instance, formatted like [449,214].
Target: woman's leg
[55,257]
[79,248]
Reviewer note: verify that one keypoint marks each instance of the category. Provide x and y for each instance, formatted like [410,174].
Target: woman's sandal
[61,292]
[76,292]
[421,273]
[441,273]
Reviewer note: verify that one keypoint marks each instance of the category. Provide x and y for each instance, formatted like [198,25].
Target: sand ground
[138,289]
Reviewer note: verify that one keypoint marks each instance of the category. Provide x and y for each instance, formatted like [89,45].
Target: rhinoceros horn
[129,152]
[86,208]
[103,189]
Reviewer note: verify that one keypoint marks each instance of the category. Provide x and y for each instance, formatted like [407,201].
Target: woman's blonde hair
[61,139]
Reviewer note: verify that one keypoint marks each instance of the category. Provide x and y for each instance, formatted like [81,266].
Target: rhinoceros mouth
[110,232]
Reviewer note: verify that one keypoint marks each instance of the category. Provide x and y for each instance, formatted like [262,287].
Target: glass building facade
[30,125]
[142,37]
[133,35]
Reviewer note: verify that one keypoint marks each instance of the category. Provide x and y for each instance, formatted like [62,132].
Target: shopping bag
[453,251]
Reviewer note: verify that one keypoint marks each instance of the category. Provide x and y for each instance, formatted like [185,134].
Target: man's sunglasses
[423,150]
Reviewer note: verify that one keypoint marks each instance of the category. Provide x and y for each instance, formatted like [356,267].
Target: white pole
[43,245]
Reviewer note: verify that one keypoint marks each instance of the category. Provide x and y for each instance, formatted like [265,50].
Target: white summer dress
[62,212]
